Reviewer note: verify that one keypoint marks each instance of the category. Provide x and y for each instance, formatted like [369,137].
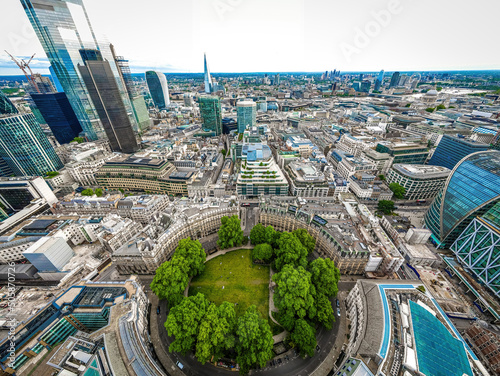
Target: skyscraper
[105,94]
[59,115]
[379,80]
[452,149]
[471,190]
[24,146]
[6,106]
[277,79]
[63,28]
[57,84]
[394,80]
[158,88]
[247,115]
[43,84]
[211,113]
[208,78]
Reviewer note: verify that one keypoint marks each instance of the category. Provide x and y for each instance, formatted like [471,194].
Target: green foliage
[441,107]
[323,310]
[121,190]
[255,340]
[79,139]
[230,232]
[263,252]
[430,109]
[398,190]
[240,137]
[306,239]
[386,206]
[293,295]
[408,105]
[325,276]
[381,177]
[439,88]
[421,288]
[303,337]
[184,320]
[192,251]
[51,174]
[98,192]
[290,251]
[171,279]
[223,152]
[258,234]
[88,192]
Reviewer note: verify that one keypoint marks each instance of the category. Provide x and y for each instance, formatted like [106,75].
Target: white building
[49,254]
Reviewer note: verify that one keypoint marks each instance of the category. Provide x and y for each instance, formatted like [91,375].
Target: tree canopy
[258,234]
[386,206]
[325,276]
[303,337]
[171,279]
[263,252]
[398,190]
[192,251]
[88,192]
[255,340]
[306,239]
[230,232]
[98,192]
[290,251]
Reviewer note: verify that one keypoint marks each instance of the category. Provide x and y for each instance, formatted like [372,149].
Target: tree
[272,236]
[398,190]
[263,252]
[258,234]
[216,332]
[223,152]
[51,174]
[325,276]
[430,109]
[98,192]
[88,192]
[230,232]
[303,337]
[381,177]
[306,239]
[192,251]
[408,105]
[184,320]
[171,279]
[290,251]
[323,310]
[79,139]
[255,340]
[386,206]
[293,294]
[441,107]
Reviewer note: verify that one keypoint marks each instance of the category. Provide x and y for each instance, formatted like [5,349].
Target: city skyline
[371,37]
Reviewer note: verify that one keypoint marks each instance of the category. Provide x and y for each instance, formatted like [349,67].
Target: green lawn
[243,282]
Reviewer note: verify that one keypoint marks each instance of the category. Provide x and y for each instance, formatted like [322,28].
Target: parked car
[338,312]
[337,301]
[180,365]
[158,310]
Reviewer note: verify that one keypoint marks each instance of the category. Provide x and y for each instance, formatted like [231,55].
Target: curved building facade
[158,88]
[472,188]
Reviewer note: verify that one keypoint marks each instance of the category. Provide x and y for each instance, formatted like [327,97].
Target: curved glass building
[472,189]
[158,88]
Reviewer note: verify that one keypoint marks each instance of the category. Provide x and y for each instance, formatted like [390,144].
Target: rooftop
[422,171]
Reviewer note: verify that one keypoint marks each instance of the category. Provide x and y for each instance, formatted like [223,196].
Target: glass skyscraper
[6,106]
[63,28]
[394,80]
[472,189]
[247,115]
[59,116]
[211,113]
[158,88]
[25,148]
[452,149]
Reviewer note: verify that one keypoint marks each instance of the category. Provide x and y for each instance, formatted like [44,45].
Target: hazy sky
[280,35]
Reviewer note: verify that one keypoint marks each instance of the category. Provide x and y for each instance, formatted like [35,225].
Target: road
[295,366]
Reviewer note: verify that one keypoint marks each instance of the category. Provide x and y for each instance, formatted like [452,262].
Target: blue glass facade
[59,116]
[6,106]
[25,148]
[211,113]
[158,88]
[63,28]
[452,150]
[471,190]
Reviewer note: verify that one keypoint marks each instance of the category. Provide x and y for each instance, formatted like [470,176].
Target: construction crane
[24,66]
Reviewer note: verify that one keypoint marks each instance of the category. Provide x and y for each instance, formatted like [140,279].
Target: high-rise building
[43,84]
[6,106]
[57,84]
[211,113]
[17,193]
[277,79]
[208,78]
[379,80]
[247,115]
[365,86]
[472,189]
[451,149]
[394,80]
[25,148]
[59,116]
[63,28]
[158,88]
[107,100]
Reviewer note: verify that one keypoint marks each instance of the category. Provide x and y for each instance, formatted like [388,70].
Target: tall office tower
[5,170]
[158,88]
[57,84]
[361,77]
[211,113]
[6,106]
[404,80]
[107,100]
[59,116]
[43,84]
[141,113]
[452,149]
[247,115]
[208,78]
[394,80]
[495,144]
[25,148]
[277,79]
[471,190]
[365,86]
[63,28]
[379,80]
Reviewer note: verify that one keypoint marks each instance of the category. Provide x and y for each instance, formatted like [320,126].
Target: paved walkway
[272,307]
[224,251]
[280,337]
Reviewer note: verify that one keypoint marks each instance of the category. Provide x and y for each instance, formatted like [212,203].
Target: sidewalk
[224,251]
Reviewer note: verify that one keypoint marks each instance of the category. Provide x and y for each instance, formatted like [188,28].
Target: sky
[279,35]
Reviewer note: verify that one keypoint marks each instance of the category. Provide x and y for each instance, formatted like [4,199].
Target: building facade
[211,114]
[452,149]
[247,115]
[158,88]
